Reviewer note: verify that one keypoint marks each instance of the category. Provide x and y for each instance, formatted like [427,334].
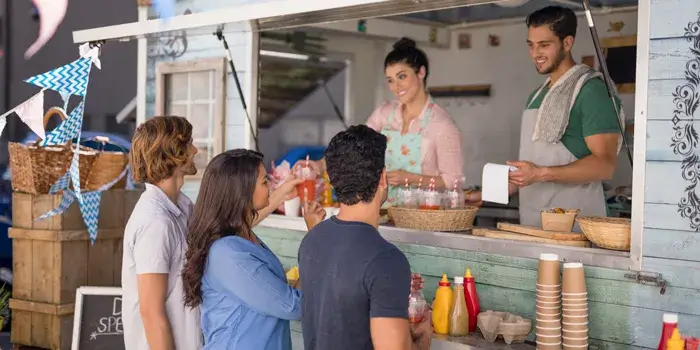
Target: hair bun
[404,44]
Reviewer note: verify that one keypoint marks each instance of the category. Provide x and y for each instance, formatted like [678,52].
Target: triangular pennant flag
[61,184]
[75,173]
[66,98]
[67,130]
[3,122]
[93,53]
[32,113]
[71,78]
[90,208]
[67,199]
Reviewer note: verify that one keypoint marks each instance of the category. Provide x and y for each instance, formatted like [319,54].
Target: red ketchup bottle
[670,322]
[472,299]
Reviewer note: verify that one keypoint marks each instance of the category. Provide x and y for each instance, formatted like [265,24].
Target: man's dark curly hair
[354,161]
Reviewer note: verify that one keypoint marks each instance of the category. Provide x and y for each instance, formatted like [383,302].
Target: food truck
[209,60]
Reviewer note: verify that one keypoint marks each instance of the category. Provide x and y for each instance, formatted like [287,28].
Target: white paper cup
[550,328]
[291,207]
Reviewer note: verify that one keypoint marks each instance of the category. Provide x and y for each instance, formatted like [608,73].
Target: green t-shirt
[593,113]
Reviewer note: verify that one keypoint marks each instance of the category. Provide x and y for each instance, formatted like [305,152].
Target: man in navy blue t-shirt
[356,284]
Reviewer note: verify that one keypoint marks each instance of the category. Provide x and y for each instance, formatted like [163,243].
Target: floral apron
[403,152]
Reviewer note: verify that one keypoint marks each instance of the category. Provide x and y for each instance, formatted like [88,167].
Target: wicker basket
[609,233]
[36,168]
[452,220]
[106,167]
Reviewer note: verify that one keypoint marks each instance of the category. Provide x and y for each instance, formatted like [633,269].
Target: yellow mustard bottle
[327,191]
[675,342]
[442,305]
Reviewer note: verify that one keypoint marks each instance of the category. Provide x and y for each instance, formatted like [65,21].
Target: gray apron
[589,198]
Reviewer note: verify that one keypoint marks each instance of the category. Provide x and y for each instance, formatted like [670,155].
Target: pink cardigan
[441,148]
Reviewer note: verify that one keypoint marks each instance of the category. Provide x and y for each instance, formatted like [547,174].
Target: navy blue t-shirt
[349,274]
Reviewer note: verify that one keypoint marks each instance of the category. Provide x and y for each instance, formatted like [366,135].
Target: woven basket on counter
[106,167]
[36,168]
[452,220]
[608,233]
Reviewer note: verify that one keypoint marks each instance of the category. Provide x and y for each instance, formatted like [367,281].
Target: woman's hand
[398,177]
[313,164]
[286,191]
[313,214]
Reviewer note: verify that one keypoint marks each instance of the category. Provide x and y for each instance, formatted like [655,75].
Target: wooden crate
[42,325]
[48,266]
[115,208]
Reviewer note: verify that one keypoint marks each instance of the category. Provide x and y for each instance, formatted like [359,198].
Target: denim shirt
[246,301]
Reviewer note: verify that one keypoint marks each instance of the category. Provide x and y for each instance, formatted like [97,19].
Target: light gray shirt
[155,242]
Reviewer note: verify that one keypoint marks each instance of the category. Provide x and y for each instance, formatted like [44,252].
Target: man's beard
[189,169]
[557,62]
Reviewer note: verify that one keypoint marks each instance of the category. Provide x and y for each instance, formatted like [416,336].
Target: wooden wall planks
[670,242]
[624,315]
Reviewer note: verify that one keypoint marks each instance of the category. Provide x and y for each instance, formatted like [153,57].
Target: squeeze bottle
[675,342]
[472,299]
[670,323]
[459,317]
[441,307]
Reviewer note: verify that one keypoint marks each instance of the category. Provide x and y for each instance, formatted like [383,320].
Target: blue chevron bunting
[71,78]
[75,172]
[66,201]
[61,184]
[90,208]
[67,130]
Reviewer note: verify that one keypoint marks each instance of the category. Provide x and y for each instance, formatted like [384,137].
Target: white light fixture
[511,3]
[294,56]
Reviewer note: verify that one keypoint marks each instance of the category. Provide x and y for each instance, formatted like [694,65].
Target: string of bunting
[68,80]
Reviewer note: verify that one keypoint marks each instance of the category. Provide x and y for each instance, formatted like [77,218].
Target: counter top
[466,241]
[440,342]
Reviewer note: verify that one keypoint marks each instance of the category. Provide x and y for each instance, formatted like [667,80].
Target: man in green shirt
[570,134]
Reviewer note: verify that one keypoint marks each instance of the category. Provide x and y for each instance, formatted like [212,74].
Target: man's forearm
[158,332]
[587,169]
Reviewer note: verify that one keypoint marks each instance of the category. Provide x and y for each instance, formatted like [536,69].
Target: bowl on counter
[558,219]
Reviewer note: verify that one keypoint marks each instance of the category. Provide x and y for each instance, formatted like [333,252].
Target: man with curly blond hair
[153,313]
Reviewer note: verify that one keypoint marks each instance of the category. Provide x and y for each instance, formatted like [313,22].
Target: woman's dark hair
[224,207]
[405,51]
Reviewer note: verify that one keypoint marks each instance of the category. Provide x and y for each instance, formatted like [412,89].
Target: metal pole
[335,106]
[606,74]
[219,34]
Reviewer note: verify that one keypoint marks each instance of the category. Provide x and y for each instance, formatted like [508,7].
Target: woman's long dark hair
[224,207]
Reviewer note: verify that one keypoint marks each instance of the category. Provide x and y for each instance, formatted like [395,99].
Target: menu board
[97,322]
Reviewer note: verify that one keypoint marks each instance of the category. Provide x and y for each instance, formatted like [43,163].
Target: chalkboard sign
[97,323]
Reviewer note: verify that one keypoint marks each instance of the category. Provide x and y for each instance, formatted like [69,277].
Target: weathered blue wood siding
[671,243]
[201,43]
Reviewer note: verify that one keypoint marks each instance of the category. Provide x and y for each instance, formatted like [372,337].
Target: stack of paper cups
[548,329]
[574,307]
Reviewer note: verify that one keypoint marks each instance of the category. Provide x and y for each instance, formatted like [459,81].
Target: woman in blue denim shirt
[240,285]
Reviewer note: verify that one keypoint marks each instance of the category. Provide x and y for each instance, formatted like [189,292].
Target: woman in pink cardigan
[422,140]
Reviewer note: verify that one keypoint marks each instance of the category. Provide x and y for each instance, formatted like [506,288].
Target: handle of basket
[105,140]
[47,116]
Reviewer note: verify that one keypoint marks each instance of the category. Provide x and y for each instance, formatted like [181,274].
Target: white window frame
[218,66]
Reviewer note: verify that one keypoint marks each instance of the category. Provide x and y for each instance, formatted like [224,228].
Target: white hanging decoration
[32,113]
[51,14]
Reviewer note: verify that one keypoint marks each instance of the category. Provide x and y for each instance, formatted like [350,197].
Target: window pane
[176,87]
[177,110]
[200,83]
[202,158]
[201,120]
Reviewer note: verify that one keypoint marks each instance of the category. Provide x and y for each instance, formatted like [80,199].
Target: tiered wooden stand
[53,257]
